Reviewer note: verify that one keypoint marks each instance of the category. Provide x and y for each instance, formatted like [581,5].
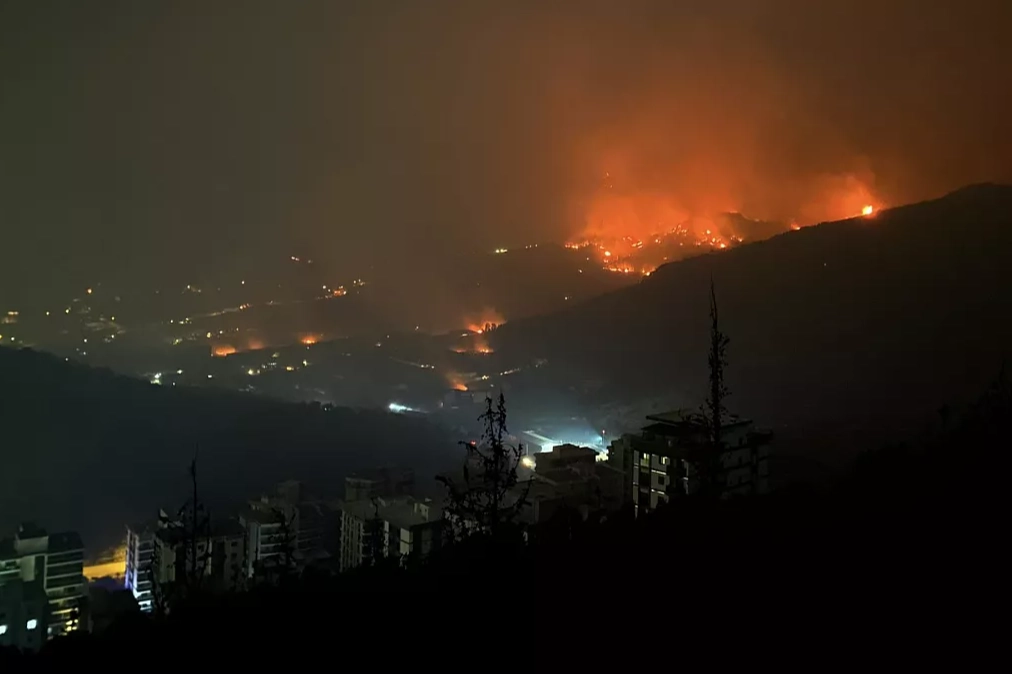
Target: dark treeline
[901,565]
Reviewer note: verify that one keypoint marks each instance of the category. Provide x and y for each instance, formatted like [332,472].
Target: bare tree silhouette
[487,499]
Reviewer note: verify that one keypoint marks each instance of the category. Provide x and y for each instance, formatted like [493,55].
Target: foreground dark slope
[87,449]
[867,323]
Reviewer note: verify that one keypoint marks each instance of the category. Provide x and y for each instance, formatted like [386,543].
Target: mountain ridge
[833,321]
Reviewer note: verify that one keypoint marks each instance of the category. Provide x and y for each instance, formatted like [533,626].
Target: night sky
[141,138]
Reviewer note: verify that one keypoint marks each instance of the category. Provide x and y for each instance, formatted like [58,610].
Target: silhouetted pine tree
[376,531]
[487,500]
[196,534]
[708,464]
[190,541]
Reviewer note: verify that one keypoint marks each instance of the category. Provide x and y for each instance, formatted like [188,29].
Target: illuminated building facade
[404,528]
[140,548]
[656,462]
[56,562]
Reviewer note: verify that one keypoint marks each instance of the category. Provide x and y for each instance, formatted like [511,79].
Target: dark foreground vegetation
[902,565]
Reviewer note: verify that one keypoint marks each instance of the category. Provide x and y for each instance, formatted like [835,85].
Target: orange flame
[487,318]
[481,345]
[310,338]
[456,381]
[222,350]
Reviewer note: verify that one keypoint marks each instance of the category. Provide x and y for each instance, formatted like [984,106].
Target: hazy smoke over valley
[141,139]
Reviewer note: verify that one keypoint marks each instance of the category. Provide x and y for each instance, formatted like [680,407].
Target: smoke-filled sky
[141,136]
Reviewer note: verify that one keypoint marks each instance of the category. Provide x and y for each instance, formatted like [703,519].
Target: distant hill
[84,448]
[865,323]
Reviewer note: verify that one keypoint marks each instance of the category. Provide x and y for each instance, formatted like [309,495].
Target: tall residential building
[140,546]
[657,462]
[271,534]
[402,528]
[314,522]
[24,615]
[54,560]
[219,555]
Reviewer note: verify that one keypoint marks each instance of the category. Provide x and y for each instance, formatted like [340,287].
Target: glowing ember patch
[222,350]
[310,339]
[867,210]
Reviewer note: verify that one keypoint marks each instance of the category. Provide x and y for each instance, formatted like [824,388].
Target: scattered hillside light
[32,624]
[3,628]
[210,376]
[89,291]
[179,372]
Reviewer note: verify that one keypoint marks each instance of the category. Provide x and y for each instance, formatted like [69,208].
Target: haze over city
[157,141]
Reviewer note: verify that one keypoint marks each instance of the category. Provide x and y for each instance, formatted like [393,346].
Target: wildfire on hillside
[221,350]
[634,232]
[310,338]
[635,255]
[456,381]
[487,320]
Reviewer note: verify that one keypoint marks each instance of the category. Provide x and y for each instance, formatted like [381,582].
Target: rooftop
[403,512]
[65,541]
[57,543]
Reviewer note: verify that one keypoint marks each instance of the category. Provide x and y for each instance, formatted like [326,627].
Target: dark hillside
[868,321]
[83,448]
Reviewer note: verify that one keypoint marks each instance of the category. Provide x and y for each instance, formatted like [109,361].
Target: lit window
[32,624]
[3,628]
